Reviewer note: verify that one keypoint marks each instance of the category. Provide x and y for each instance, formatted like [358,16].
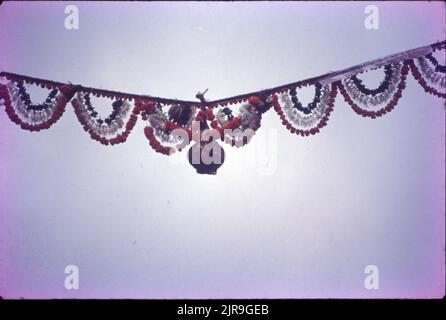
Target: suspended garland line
[172,124]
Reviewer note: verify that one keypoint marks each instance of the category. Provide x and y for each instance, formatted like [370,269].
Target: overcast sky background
[137,224]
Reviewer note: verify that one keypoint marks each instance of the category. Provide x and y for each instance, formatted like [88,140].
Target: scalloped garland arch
[171,124]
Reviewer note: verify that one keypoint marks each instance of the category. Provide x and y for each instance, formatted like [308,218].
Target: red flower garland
[389,107]
[146,108]
[205,114]
[155,144]
[119,138]
[57,110]
[235,122]
[418,76]
[255,101]
[322,122]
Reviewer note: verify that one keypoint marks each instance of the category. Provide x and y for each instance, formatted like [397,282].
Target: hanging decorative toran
[171,124]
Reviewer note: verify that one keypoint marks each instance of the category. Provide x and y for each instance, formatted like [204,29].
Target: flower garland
[356,84]
[33,117]
[238,130]
[377,102]
[168,131]
[113,129]
[434,61]
[172,124]
[306,121]
[312,105]
[430,74]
